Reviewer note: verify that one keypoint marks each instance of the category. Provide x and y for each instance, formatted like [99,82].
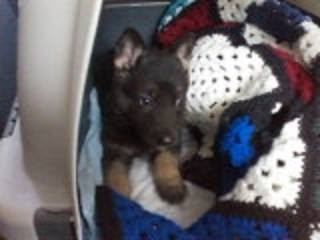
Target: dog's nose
[166,140]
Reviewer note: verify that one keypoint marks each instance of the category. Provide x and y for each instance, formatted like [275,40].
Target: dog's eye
[145,100]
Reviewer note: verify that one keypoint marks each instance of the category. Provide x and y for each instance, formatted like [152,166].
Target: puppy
[144,106]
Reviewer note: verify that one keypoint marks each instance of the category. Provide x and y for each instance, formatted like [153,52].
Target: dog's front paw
[117,178]
[173,192]
[206,152]
[167,177]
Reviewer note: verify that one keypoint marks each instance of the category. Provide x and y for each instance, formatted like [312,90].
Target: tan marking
[165,169]
[118,179]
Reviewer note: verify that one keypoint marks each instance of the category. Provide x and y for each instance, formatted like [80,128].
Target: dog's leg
[189,146]
[167,177]
[117,177]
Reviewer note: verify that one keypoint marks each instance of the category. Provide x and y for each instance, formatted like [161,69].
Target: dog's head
[149,87]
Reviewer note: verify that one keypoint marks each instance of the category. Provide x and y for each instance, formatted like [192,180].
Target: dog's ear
[183,48]
[128,49]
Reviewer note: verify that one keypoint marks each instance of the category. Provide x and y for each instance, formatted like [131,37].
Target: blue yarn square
[217,226]
[235,142]
[139,224]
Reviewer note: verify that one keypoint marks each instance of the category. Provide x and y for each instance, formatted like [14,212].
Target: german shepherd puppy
[144,109]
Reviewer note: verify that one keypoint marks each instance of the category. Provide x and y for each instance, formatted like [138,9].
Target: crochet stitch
[277,176]
[138,224]
[217,226]
[236,141]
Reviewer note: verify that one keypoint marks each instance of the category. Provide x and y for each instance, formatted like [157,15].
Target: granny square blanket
[252,95]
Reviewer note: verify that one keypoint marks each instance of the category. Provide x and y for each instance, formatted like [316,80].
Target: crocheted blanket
[253,97]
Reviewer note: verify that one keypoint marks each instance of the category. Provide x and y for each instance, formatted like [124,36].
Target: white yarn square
[221,74]
[276,179]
